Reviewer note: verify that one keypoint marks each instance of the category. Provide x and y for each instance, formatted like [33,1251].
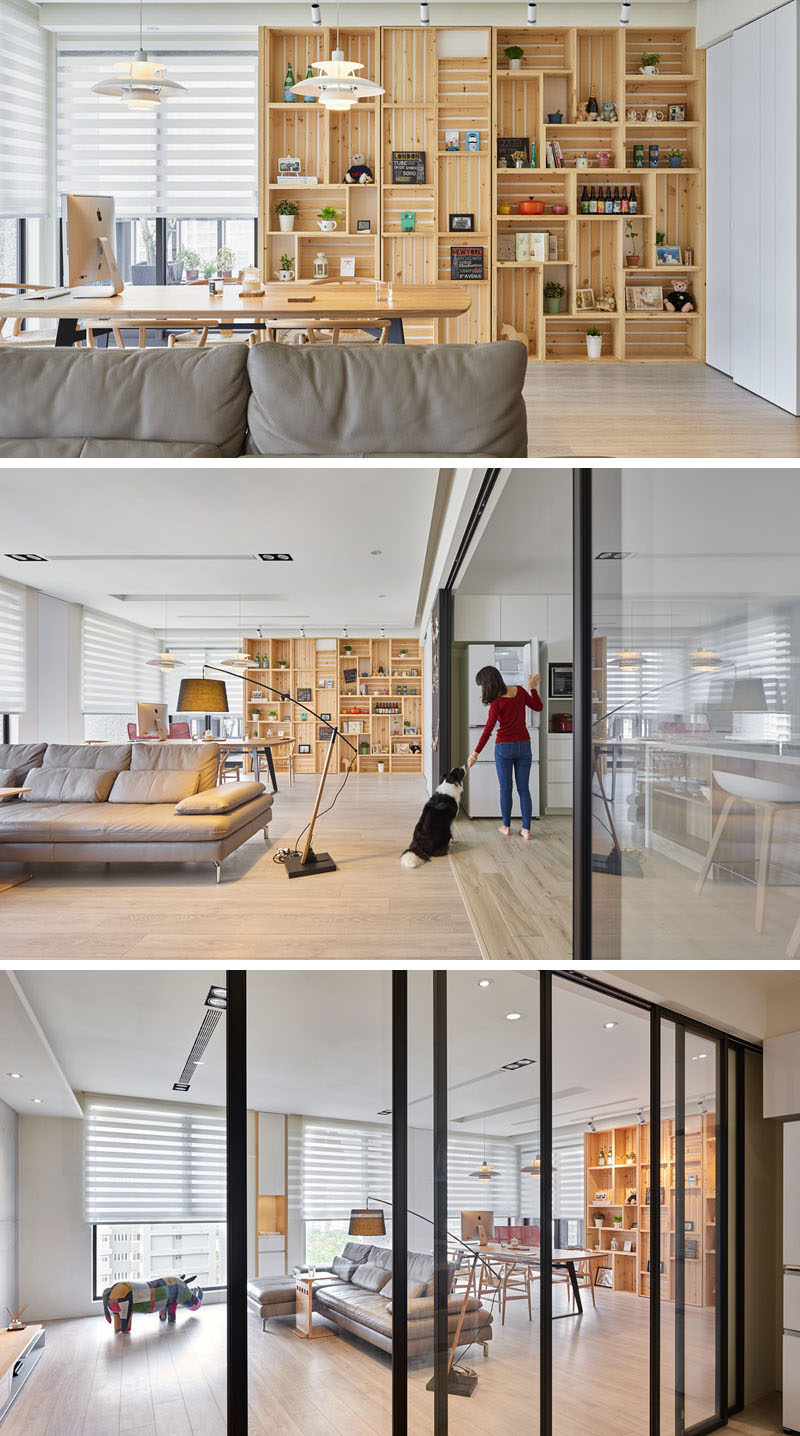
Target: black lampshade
[202,695]
[366,1222]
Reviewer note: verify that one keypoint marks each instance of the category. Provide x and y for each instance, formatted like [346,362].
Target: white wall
[54,671]
[9,1234]
[718,18]
[55,1241]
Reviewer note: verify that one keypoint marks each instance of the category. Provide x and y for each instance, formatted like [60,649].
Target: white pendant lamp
[630,660]
[485,1171]
[165,660]
[141,83]
[704,660]
[240,659]
[337,86]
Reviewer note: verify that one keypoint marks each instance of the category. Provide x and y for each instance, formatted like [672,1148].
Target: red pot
[531,206]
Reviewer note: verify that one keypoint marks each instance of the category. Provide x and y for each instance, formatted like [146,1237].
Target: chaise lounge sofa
[275,400]
[125,803]
[360,1300]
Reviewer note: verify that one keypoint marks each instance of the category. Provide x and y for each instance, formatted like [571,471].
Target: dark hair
[491,683]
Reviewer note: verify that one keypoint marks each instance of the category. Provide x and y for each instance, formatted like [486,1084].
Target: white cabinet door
[271,1154]
[791,1383]
[719,294]
[271,1263]
[791,1194]
[784,208]
[746,261]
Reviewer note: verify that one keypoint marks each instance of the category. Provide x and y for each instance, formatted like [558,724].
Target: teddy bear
[607,301]
[359,171]
[680,298]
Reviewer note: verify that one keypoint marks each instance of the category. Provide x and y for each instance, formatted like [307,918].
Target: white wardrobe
[752,207]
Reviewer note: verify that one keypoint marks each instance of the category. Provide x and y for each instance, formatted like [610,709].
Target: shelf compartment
[658,339]
[676,47]
[464,189]
[598,257]
[550,50]
[565,338]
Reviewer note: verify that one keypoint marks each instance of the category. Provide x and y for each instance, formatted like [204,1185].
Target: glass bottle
[310,99]
[592,107]
[601,1160]
[617,200]
[585,201]
[289,97]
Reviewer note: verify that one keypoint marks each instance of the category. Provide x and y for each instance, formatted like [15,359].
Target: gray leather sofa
[275,400]
[360,1300]
[127,803]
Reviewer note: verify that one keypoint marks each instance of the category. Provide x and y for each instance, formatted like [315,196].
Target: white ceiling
[120,541]
[320,1044]
[526,543]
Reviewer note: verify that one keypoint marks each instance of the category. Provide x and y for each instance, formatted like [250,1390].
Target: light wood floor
[616,411]
[170,1381]
[518,895]
[370,909]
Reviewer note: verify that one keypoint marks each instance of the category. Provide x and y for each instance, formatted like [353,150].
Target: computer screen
[89,240]
[477,1226]
[152,720]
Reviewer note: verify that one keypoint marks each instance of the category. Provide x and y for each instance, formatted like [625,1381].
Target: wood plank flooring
[668,411]
[518,895]
[170,1381]
[370,909]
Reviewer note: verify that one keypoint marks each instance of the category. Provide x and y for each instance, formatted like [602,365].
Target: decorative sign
[289,165]
[350,675]
[472,141]
[408,221]
[347,266]
[364,226]
[304,695]
[466,261]
[463,222]
[325,735]
[304,747]
[510,145]
[408,166]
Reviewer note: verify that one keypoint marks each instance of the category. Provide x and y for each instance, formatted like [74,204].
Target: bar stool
[768,798]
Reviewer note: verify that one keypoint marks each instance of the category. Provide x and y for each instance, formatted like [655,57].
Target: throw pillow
[165,785]
[370,1277]
[68,785]
[343,1268]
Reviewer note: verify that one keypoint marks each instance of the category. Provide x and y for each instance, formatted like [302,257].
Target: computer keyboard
[47,293]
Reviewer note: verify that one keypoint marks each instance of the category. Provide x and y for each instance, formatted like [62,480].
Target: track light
[302,633]
[641,1117]
[625,12]
[316,13]
[383,631]
[590,1125]
[531,12]
[344,632]
[424,17]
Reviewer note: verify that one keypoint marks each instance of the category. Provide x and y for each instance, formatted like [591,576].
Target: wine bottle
[585,201]
[617,201]
[289,98]
[626,204]
[310,99]
[592,201]
[634,209]
[592,107]
[609,200]
[601,1160]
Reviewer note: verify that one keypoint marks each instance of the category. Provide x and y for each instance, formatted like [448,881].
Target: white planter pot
[326,225]
[287,222]
[594,345]
[515,64]
[381,767]
[286,275]
[648,69]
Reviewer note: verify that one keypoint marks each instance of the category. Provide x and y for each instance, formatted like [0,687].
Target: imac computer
[477,1227]
[152,720]
[89,241]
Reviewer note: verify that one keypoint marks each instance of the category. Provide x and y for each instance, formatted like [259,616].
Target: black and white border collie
[433,831]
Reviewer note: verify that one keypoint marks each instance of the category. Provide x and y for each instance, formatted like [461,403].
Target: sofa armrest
[222,799]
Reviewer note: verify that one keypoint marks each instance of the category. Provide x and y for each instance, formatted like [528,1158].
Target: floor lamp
[209,695]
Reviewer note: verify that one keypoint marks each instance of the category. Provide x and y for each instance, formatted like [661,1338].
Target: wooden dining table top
[532,1255]
[182,303]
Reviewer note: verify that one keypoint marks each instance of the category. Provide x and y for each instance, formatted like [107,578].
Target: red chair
[180,730]
[132,733]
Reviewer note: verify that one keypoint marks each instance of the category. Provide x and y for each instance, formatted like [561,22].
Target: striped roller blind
[12,648]
[24,111]
[339,1165]
[153,1161]
[115,672]
[501,1195]
[193,156]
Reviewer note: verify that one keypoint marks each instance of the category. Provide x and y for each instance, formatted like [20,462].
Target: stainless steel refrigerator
[516,662]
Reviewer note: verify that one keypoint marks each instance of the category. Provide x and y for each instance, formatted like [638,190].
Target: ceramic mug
[581,163]
[326,225]
[653,116]
[634,117]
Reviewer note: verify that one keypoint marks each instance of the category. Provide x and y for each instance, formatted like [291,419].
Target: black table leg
[66,332]
[576,1291]
[396,333]
[271,767]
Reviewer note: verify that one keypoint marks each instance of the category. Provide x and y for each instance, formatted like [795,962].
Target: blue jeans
[514,760]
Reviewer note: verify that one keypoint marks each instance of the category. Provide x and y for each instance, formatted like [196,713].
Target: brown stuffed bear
[680,299]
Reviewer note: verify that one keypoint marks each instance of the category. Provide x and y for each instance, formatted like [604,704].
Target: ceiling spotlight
[625,12]
[15,1076]
[424,16]
[609,1026]
[484,982]
[383,631]
[513,1016]
[302,633]
[37,1101]
[640,1117]
[344,632]
[376,552]
[701,1103]
[531,12]
[316,13]
[590,1125]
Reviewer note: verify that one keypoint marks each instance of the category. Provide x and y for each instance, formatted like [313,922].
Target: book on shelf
[554,156]
[506,249]
[532,246]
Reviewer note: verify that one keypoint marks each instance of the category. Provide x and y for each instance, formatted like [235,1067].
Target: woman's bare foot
[505,831]
[526,834]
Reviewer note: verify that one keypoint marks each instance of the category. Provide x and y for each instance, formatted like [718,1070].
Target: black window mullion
[546,1205]
[440,1264]
[655,1222]
[721,1235]
[582,715]
[399,1203]
[739,1276]
[679,1235]
[161,250]
[236,1234]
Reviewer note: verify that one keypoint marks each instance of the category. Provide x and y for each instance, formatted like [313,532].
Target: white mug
[653,115]
[326,225]
[633,116]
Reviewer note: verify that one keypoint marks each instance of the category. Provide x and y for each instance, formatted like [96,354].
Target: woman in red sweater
[512,749]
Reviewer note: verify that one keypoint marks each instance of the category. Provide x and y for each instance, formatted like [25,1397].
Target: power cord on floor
[282,854]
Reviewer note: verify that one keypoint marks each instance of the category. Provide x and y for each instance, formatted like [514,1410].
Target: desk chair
[180,730]
[510,1281]
[132,732]
[12,334]
[768,798]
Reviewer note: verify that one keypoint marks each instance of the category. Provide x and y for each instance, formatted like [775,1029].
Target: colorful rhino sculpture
[163,1294]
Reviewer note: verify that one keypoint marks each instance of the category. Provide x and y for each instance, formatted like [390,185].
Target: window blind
[194,156]
[24,112]
[115,673]
[193,660]
[338,1165]
[153,1161]
[501,1195]
[12,648]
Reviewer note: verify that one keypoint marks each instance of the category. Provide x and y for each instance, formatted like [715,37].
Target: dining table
[563,1258]
[188,306]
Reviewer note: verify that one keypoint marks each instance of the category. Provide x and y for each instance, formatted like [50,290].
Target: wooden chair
[12,334]
[511,1281]
[331,331]
[230,765]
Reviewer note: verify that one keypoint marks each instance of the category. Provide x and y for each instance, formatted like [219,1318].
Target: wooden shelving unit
[443,78]
[379,708]
[628,1185]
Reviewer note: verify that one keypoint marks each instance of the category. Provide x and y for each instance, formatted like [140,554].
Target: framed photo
[290,165]
[668,254]
[326,717]
[451,139]
[304,695]
[604,1276]
[691,1251]
[648,298]
[691,1179]
[304,747]
[688,1226]
[472,141]
[677,112]
[584,299]
[601,1197]
[627,1246]
[347,266]
[462,223]
[364,226]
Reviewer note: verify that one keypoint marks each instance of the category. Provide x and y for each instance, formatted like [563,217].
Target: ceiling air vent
[26,557]
[520,1062]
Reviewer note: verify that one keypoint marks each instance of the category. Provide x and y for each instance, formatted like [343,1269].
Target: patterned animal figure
[163,1294]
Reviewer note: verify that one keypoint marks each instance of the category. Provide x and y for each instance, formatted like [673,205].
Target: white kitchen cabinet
[559,770]
[271,1254]
[791,1195]
[272,1154]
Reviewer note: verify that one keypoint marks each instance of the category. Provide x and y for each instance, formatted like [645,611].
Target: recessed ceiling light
[520,1062]
[276,558]
[609,1025]
[513,1016]
[218,998]
[383,595]
[613,555]
[484,982]
[16,1076]
[385,1112]
[38,1100]
[376,552]
[26,557]
[700,1057]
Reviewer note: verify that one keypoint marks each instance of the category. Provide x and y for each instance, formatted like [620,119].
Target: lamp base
[317,863]
[461,1381]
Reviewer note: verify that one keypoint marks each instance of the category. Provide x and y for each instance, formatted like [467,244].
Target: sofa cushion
[368,1308]
[356,1251]
[343,1269]
[355,400]
[88,755]
[200,758]
[222,799]
[195,396]
[415,1289]
[21,757]
[68,785]
[381,1256]
[370,1276]
[27,822]
[164,786]
[10,777]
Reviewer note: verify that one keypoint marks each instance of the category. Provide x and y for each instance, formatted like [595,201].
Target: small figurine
[582,117]
[680,299]
[359,171]
[509,332]
[607,301]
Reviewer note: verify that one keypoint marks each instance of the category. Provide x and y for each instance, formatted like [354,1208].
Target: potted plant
[272,716]
[287,210]
[555,117]
[553,294]
[282,662]
[661,236]
[209,268]
[520,159]
[286,274]
[326,217]
[191,263]
[513,54]
[594,343]
[632,257]
[256,714]
[650,62]
[348,648]
[675,158]
[225,262]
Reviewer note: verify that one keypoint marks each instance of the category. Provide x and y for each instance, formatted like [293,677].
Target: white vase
[287,222]
[326,225]
[594,345]
[381,767]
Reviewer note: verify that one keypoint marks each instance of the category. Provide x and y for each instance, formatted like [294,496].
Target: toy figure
[359,171]
[680,299]
[164,1294]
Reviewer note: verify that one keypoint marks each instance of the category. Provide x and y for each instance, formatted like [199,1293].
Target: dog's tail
[410,859]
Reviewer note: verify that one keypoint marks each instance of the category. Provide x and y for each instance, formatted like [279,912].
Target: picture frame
[668,254]
[627,1246]
[304,695]
[347,266]
[461,223]
[303,748]
[472,141]
[604,1276]
[690,1250]
[326,717]
[645,298]
[363,226]
[290,165]
[600,1197]
[691,1179]
[688,1226]
[585,298]
[408,167]
[677,113]
[452,140]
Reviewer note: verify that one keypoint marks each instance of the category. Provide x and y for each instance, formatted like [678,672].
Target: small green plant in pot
[209,268]
[594,343]
[191,262]
[675,159]
[286,274]
[287,211]
[327,217]
[650,62]
[632,256]
[553,294]
[226,262]
[514,54]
